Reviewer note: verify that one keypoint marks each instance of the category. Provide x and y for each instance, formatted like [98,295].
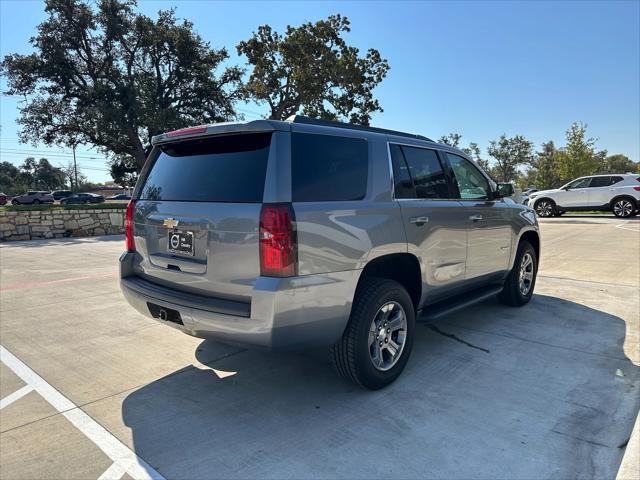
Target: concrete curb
[630,466]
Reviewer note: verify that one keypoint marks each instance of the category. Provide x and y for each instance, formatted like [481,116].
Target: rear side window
[600,182]
[328,168]
[417,173]
[615,180]
[228,168]
[401,177]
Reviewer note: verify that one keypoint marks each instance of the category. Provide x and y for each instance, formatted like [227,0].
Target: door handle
[419,220]
[475,218]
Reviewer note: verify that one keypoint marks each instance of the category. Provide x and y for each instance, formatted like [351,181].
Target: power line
[44,153]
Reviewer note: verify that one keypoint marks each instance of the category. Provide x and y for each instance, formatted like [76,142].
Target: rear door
[433,220]
[197,214]
[488,221]
[599,191]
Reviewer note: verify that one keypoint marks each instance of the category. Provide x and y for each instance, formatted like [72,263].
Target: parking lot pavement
[549,390]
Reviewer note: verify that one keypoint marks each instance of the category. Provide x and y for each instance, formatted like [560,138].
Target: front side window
[471,183]
[579,183]
[328,168]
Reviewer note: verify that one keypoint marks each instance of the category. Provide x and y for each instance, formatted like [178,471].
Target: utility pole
[75,168]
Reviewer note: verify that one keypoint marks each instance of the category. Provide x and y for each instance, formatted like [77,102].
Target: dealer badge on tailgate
[180,242]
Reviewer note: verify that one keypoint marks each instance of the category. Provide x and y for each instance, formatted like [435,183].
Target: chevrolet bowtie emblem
[170,222]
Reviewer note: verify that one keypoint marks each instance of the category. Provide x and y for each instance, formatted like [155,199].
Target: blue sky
[477,68]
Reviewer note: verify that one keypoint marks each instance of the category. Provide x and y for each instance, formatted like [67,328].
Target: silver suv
[309,233]
[32,198]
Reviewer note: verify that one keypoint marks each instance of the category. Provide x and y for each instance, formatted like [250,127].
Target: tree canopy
[312,70]
[31,175]
[104,75]
[509,154]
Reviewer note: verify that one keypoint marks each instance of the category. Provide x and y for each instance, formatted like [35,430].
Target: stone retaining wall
[29,225]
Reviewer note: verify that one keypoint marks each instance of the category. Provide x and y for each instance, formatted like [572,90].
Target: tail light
[278,243]
[128,227]
[637,189]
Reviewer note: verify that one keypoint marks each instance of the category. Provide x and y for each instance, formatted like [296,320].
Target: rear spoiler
[220,129]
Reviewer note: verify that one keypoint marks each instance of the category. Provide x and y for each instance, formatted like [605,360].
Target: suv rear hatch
[197,214]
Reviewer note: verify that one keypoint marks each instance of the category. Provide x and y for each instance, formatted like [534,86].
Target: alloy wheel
[387,336]
[525,278]
[544,209]
[623,208]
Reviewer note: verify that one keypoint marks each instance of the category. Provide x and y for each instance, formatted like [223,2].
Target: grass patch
[46,208]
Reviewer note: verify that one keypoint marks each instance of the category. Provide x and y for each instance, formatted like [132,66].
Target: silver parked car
[310,233]
[32,198]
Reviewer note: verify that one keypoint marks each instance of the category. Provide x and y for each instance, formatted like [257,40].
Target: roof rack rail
[330,123]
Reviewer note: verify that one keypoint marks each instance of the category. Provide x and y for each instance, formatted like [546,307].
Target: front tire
[519,285]
[36,202]
[545,208]
[15,202]
[623,208]
[376,345]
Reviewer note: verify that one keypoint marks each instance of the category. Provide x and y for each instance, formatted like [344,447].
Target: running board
[445,307]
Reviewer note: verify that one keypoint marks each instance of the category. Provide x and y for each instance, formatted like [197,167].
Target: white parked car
[619,193]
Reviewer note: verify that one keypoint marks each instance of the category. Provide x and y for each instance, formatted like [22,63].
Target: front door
[433,219]
[488,221]
[576,193]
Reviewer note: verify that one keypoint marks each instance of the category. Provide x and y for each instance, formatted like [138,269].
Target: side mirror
[504,190]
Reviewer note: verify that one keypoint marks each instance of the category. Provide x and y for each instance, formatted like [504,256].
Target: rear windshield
[228,168]
[328,168]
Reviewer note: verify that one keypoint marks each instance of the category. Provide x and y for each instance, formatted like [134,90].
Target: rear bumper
[295,312]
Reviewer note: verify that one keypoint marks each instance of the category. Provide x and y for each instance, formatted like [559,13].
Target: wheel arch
[538,200]
[532,236]
[404,268]
[624,196]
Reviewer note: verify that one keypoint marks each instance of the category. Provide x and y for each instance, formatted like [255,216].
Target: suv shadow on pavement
[544,391]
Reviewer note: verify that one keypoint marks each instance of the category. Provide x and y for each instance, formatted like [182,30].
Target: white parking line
[625,226]
[117,451]
[114,472]
[17,395]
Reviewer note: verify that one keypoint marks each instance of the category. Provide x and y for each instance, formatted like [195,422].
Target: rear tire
[623,207]
[545,208]
[36,202]
[519,285]
[382,321]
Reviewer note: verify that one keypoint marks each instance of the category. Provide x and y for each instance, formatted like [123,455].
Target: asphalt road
[90,389]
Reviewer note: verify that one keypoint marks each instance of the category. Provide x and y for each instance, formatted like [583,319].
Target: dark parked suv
[309,233]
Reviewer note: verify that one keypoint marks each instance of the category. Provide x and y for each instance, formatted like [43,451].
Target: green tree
[105,75]
[619,164]
[581,157]
[545,167]
[312,70]
[48,177]
[510,154]
[12,181]
[452,139]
